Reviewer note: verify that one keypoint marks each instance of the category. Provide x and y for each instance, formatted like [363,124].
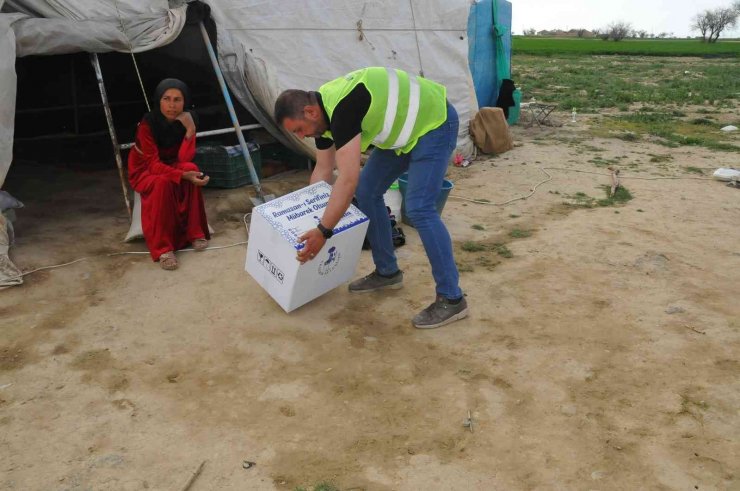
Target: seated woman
[161,170]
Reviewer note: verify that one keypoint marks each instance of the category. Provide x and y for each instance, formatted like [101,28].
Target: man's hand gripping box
[273,245]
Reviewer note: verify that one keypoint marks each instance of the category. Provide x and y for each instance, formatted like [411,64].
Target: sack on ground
[490,131]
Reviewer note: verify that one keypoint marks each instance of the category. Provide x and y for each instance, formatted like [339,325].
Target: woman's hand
[196,177]
[187,121]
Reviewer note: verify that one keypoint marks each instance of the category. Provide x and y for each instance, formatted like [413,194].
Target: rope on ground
[477,201]
[112,254]
[534,190]
[549,178]
[133,253]
[246,224]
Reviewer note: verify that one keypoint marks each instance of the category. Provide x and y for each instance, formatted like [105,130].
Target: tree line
[710,24]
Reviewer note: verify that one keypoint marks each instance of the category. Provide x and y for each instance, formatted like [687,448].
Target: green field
[590,83]
[677,101]
[535,45]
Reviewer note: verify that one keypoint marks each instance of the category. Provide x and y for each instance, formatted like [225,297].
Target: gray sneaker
[441,312]
[374,282]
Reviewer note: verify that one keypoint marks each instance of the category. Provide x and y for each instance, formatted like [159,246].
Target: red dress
[172,210]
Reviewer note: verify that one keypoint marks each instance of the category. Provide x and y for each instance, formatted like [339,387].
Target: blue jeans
[426,164]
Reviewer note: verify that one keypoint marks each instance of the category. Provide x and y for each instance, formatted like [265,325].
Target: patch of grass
[640,210]
[621,195]
[667,143]
[471,246]
[641,84]
[478,227]
[591,148]
[520,234]
[513,215]
[694,170]
[324,486]
[582,200]
[703,121]
[503,251]
[600,162]
[667,127]
[546,46]
[486,262]
[629,136]
[692,408]
[464,268]
[660,158]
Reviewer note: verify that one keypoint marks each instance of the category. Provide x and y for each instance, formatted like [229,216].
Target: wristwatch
[327,232]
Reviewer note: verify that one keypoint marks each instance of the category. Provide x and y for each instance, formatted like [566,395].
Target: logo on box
[330,261]
[270,266]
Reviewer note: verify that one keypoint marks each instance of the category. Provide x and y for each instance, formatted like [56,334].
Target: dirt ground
[604,354]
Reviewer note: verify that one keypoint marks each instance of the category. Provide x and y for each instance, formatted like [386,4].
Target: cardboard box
[273,245]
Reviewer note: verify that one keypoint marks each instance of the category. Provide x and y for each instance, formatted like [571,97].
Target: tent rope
[131,50]
[549,178]
[416,34]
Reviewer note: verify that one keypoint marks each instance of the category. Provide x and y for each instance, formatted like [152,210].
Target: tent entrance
[60,115]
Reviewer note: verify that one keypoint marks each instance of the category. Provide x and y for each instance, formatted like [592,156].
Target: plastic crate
[226,166]
[278,152]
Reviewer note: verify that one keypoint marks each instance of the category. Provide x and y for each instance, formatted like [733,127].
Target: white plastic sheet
[265,46]
[7,94]
[52,27]
[304,44]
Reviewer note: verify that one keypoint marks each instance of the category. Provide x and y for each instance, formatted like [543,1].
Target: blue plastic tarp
[482,54]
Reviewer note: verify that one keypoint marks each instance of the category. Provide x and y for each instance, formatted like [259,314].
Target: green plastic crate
[280,153]
[226,166]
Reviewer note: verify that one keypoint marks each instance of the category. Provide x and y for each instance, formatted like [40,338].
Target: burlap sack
[490,131]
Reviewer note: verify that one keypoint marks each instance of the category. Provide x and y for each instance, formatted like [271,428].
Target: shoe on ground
[200,245]
[441,312]
[168,261]
[374,282]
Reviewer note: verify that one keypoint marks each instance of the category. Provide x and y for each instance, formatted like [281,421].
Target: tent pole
[113,138]
[232,113]
[74,95]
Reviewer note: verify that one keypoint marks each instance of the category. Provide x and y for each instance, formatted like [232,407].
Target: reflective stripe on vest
[408,125]
[392,107]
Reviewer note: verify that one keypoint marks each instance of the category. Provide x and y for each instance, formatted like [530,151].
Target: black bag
[506,96]
[399,238]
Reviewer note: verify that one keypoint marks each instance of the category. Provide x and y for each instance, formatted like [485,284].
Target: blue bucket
[403,181]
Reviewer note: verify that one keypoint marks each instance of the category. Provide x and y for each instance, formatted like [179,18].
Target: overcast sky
[654,16]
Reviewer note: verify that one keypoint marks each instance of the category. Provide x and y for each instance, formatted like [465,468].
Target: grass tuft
[324,486]
[520,234]
[471,246]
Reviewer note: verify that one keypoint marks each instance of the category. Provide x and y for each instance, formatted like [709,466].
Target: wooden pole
[615,180]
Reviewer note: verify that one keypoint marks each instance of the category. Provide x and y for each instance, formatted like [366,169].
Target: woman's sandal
[168,261]
[200,245]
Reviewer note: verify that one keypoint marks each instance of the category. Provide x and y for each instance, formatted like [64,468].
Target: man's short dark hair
[290,104]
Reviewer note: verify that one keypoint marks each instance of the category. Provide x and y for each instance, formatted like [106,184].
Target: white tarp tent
[37,27]
[264,46]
